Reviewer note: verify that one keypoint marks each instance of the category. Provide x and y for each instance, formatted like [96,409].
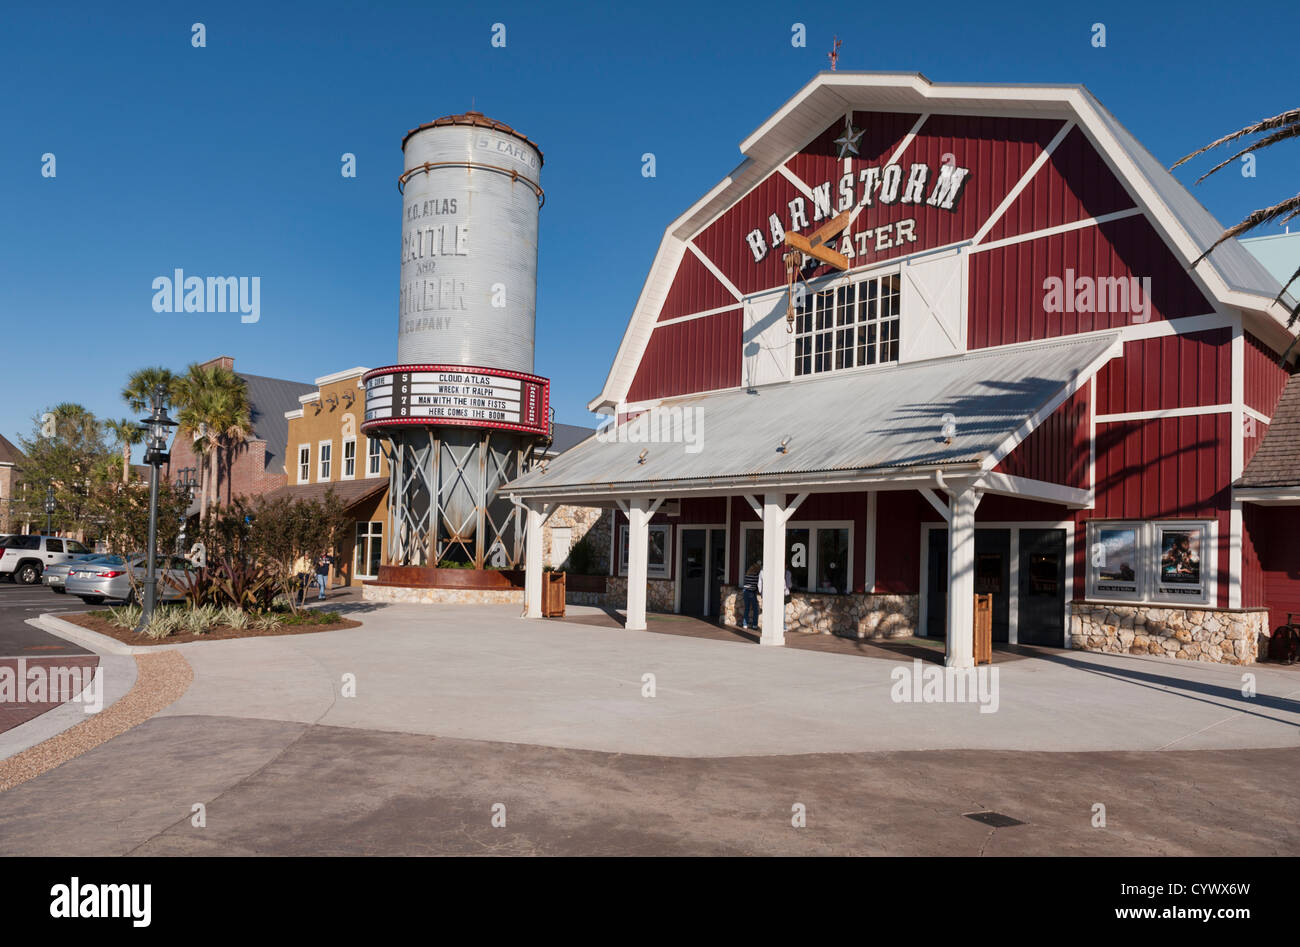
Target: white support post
[960,652]
[773,619]
[639,512]
[533,562]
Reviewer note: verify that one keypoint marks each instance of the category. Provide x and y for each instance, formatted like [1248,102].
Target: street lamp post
[155,455]
[50,507]
[185,482]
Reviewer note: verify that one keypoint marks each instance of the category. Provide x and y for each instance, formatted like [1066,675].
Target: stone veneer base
[429,596]
[855,615]
[1221,636]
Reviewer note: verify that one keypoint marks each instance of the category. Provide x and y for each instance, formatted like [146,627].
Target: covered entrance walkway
[941,429]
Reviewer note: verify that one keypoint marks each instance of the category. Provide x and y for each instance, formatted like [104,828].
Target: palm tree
[126,433]
[212,402]
[138,391]
[1271,131]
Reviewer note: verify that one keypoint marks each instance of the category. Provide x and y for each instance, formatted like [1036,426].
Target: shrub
[127,616]
[234,617]
[266,621]
[199,620]
[584,559]
[164,622]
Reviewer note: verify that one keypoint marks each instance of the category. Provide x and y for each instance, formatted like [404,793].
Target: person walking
[323,574]
[749,594]
[786,597]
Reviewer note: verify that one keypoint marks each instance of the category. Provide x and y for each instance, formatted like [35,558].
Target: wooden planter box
[586,583]
[552,594]
[426,577]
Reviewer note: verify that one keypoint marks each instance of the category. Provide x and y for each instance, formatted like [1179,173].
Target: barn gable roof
[1231,275]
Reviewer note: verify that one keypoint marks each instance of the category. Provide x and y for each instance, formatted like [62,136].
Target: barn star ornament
[848,142]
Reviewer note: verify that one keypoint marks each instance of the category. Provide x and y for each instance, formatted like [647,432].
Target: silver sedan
[94,583]
[55,576]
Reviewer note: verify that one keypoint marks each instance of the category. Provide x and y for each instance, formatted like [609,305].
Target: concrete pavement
[458,711]
[482,673]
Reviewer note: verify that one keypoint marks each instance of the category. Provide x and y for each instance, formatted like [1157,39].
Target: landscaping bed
[306,622]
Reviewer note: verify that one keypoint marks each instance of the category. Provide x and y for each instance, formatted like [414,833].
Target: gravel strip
[161,679]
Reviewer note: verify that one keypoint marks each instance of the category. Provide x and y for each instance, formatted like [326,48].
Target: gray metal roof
[1279,253]
[867,420]
[270,398]
[564,436]
[1238,267]
[1277,461]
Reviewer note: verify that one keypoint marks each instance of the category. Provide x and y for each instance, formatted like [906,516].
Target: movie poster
[1180,561]
[1115,559]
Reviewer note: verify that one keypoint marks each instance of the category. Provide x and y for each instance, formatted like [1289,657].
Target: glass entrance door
[1042,587]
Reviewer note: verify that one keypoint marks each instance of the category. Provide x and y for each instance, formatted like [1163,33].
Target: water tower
[461,411]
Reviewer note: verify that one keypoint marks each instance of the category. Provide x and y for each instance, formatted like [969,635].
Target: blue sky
[225,160]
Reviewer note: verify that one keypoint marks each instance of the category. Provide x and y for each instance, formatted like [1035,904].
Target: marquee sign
[871,186]
[456,395]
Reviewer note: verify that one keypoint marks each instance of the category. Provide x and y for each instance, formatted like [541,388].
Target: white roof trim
[829,95]
[341,376]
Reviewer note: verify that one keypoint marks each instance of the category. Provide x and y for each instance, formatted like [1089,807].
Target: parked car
[94,583]
[57,575]
[24,558]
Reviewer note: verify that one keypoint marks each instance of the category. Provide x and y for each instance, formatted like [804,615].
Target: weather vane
[834,54]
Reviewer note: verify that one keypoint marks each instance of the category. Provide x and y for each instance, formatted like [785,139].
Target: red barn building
[1013,384]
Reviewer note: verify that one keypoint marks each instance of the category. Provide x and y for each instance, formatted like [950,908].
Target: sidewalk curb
[119,676]
[100,644]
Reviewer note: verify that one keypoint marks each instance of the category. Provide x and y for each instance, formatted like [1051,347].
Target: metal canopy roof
[881,421]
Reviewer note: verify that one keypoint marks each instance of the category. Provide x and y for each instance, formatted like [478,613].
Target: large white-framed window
[372,456]
[849,326]
[657,565]
[1165,561]
[369,549]
[349,459]
[325,456]
[304,463]
[818,554]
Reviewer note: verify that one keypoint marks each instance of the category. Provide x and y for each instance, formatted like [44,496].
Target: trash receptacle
[984,629]
[553,595]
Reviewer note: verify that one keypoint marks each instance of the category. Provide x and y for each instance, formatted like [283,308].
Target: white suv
[24,558]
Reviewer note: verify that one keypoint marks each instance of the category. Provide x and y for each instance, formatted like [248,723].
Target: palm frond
[1289,117]
[1283,134]
[1253,220]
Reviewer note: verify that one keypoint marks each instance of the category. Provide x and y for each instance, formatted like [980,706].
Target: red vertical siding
[1165,468]
[898,541]
[1007,283]
[997,150]
[694,290]
[1264,377]
[697,355]
[882,132]
[1178,371]
[1057,450]
[1074,184]
[1275,532]
[1252,436]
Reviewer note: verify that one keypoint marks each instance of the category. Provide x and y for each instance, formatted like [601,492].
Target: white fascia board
[1116,350]
[1268,496]
[1008,485]
[341,376]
